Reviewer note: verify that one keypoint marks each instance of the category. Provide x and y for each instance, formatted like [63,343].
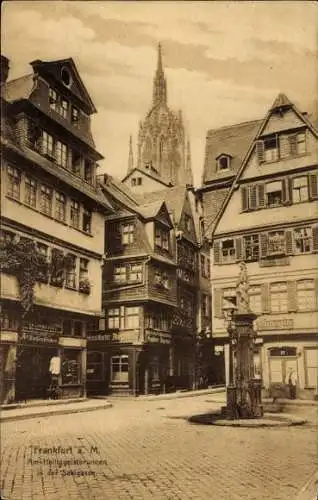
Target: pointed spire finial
[159,85]
[130,155]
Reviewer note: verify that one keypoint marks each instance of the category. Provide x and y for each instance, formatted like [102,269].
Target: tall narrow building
[162,151]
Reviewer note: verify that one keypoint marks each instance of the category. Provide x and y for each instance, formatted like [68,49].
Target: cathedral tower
[162,150]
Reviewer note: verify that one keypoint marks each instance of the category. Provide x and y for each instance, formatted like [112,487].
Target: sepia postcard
[158,250]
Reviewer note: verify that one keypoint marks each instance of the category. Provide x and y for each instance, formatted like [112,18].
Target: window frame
[298,189]
[312,295]
[230,258]
[279,305]
[269,204]
[14,178]
[60,206]
[122,361]
[30,191]
[253,247]
[282,242]
[75,214]
[127,231]
[46,202]
[303,239]
[87,220]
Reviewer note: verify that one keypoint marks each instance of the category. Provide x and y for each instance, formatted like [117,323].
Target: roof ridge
[248,122]
[18,78]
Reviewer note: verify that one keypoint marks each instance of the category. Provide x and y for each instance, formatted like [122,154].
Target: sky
[225,62]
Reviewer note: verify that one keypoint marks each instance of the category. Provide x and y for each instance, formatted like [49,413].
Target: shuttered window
[313,186]
[276,243]
[300,189]
[305,290]
[228,250]
[274,193]
[278,297]
[311,362]
[303,240]
[251,247]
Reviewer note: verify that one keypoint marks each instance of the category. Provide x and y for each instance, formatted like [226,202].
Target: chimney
[4,72]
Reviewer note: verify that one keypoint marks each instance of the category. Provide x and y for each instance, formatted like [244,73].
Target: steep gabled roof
[155,177]
[232,140]
[281,98]
[173,197]
[19,88]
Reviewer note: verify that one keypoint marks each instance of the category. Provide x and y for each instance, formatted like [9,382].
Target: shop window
[306,297]
[255,299]
[75,213]
[273,194]
[300,189]
[119,368]
[131,318]
[113,318]
[70,275]
[251,247]
[61,154]
[60,206]
[303,240]
[276,243]
[127,234]
[228,250]
[30,192]
[95,367]
[71,367]
[46,200]
[14,182]
[278,297]
[8,320]
[87,220]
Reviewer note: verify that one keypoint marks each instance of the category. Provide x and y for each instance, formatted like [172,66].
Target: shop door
[279,368]
[32,376]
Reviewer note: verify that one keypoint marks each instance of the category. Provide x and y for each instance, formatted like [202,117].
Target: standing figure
[291,381]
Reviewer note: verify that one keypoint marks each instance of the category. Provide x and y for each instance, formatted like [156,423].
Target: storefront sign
[38,339]
[102,337]
[275,324]
[8,337]
[72,342]
[158,337]
[41,333]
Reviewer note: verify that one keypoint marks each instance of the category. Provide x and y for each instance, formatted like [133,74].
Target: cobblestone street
[146,449]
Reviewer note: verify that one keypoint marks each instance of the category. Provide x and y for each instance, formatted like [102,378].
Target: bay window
[127,234]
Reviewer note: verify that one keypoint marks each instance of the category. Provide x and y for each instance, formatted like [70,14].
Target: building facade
[269,220]
[52,231]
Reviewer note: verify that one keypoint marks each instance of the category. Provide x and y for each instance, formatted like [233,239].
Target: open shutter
[217,303]
[284,147]
[261,195]
[286,190]
[265,298]
[263,239]
[216,252]
[244,193]
[253,203]
[291,296]
[315,238]
[289,242]
[259,148]
[313,186]
[238,248]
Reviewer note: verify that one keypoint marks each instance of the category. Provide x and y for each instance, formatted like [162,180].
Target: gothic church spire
[130,155]
[159,84]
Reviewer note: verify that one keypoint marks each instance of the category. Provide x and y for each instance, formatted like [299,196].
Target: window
[47,144]
[88,171]
[119,368]
[66,77]
[228,250]
[188,222]
[223,163]
[276,242]
[75,115]
[135,273]
[311,363]
[14,182]
[46,200]
[60,206]
[161,279]
[127,235]
[302,238]
[75,210]
[76,162]
[131,318]
[87,220]
[71,367]
[61,154]
[300,189]
[30,192]
[306,295]
[162,238]
[273,193]
[83,274]
[136,181]
[205,305]
[278,297]
[113,318]
[52,99]
[301,143]
[78,329]
[64,108]
[251,247]
[70,277]
[205,266]
[270,149]
[255,299]
[120,274]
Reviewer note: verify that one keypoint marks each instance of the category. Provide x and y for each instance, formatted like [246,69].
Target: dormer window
[136,181]
[52,99]
[223,162]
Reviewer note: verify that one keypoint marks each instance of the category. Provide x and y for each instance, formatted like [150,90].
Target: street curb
[49,413]
[167,397]
[18,406]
